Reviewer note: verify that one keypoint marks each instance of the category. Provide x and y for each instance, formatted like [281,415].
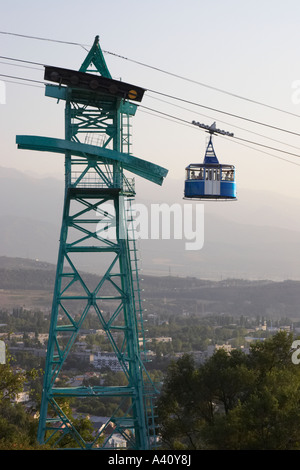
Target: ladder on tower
[135,268]
[150,389]
[126,133]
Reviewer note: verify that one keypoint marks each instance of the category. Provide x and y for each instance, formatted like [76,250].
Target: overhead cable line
[19,65]
[21,78]
[264,152]
[224,122]
[22,83]
[203,84]
[237,138]
[185,101]
[22,60]
[42,39]
[158,69]
[224,112]
[173,117]
[269,154]
[188,124]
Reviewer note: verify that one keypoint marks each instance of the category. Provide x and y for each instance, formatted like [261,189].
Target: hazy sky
[248,48]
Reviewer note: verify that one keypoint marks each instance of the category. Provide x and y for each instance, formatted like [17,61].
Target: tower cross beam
[143,168]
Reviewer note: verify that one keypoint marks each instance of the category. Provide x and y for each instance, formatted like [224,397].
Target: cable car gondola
[210,180]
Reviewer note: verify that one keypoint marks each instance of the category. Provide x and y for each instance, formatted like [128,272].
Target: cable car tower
[96,226]
[210,180]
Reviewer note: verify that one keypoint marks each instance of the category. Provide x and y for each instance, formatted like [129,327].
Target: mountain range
[255,237]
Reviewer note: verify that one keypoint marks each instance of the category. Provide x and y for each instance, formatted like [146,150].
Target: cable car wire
[185,101]
[170,116]
[173,119]
[266,153]
[225,112]
[224,122]
[184,120]
[22,60]
[204,85]
[155,91]
[21,78]
[42,65]
[19,65]
[237,138]
[42,39]
[158,69]
[22,83]
[188,124]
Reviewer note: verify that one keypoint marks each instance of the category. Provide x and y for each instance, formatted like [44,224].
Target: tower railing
[92,179]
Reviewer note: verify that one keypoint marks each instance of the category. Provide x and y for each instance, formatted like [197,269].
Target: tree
[17,428]
[12,382]
[82,427]
[233,401]
[178,423]
[267,420]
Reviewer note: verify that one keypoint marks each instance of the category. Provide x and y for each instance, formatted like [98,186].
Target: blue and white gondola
[210,180]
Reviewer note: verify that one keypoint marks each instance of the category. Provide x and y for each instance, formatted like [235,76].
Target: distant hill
[30,283]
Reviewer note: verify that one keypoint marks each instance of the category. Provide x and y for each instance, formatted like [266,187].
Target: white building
[106,359]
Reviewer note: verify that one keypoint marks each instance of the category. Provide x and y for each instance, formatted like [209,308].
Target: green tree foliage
[177,407]
[17,427]
[81,429]
[234,401]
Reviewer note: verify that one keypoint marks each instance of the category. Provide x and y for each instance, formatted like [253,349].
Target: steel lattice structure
[96,226]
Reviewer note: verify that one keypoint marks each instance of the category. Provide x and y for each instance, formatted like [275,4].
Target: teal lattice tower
[103,309]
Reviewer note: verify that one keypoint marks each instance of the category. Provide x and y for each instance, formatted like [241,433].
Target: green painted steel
[143,168]
[96,57]
[96,225]
[61,93]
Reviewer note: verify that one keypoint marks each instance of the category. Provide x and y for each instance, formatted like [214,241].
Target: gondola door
[212,182]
